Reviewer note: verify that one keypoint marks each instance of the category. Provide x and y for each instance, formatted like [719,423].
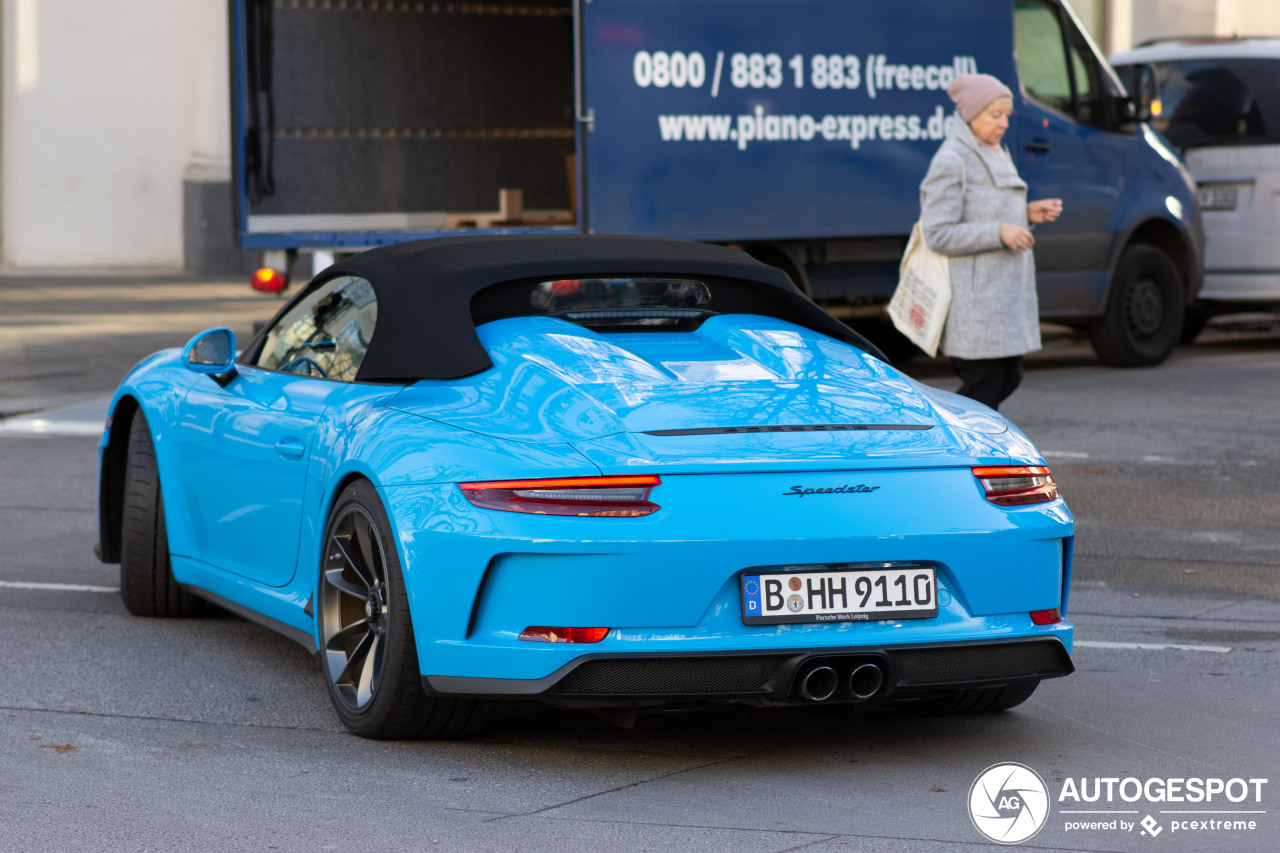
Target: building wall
[1093,14]
[1162,18]
[107,106]
[1248,18]
[1126,23]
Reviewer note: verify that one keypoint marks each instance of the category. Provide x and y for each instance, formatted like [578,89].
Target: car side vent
[976,663]
[747,674]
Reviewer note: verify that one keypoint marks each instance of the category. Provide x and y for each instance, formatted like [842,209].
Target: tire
[975,700]
[367,651]
[1143,319]
[1193,322]
[146,577]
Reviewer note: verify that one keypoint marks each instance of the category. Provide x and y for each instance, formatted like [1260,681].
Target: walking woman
[974,210]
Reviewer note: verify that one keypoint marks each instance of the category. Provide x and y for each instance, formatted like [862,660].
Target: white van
[1220,105]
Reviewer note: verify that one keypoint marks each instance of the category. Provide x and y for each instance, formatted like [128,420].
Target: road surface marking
[47,426]
[57,587]
[1101,644]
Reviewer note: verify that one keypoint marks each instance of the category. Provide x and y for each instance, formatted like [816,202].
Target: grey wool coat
[994,311]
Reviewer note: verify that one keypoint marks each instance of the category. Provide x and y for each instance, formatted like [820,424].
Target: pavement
[66,342]
[128,734]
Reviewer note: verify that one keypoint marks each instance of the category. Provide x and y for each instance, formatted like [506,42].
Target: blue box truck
[798,131]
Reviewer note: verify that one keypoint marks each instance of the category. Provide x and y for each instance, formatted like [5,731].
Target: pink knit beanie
[974,92]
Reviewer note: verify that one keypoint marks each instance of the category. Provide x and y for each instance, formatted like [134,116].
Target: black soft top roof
[425,328]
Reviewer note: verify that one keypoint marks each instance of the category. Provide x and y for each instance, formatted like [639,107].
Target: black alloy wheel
[355,608]
[367,649]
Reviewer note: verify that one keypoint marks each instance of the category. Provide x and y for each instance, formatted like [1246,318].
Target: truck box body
[798,130]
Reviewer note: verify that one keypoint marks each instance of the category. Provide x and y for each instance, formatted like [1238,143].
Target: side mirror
[212,351]
[1144,91]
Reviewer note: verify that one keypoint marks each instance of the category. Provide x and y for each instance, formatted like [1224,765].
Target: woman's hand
[1016,237]
[1044,210]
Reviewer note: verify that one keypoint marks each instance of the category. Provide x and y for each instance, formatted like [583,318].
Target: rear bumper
[1252,287]
[772,675]
[670,584]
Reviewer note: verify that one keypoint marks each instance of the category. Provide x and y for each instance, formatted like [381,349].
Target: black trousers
[988,380]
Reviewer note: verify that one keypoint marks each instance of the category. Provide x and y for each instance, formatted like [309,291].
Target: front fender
[1168,218]
[155,387]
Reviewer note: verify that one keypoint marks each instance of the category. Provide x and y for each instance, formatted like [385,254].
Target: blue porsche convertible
[600,472]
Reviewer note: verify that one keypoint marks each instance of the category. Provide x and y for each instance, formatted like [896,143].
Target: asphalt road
[67,340]
[127,734]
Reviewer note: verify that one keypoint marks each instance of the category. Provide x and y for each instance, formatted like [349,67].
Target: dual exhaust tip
[860,683]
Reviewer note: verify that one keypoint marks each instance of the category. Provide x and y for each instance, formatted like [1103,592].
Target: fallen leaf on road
[60,747]
[936,788]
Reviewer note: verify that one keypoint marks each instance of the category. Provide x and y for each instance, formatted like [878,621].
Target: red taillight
[268,280]
[565,287]
[594,497]
[1046,617]
[543,634]
[1015,485]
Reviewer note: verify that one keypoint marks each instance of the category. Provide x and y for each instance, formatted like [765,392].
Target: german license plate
[839,595]
[1218,197]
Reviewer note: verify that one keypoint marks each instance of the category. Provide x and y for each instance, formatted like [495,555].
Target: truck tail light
[544,634]
[267,280]
[1016,485]
[593,497]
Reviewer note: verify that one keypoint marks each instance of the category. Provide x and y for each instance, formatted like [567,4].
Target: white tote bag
[920,304]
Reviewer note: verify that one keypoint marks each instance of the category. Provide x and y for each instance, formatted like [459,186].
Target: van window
[1042,55]
[1215,102]
[1088,80]
[1059,72]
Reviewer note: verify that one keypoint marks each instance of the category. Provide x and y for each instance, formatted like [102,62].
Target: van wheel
[1143,320]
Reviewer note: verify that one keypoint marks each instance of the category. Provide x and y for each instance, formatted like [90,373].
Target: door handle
[1038,146]
[291,447]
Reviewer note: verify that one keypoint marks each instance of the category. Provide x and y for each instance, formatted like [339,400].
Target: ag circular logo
[1008,803]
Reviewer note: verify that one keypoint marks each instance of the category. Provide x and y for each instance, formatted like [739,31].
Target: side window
[326,334]
[1042,54]
[1210,102]
[1088,80]
[1060,73]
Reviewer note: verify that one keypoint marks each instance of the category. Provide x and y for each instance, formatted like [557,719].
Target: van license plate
[1218,197]
[862,595]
